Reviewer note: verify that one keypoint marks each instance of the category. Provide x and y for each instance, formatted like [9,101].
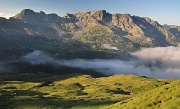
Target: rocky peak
[154,23]
[42,12]
[53,17]
[24,13]
[27,11]
[126,23]
[29,16]
[171,26]
[96,15]
[100,14]
[71,17]
[122,15]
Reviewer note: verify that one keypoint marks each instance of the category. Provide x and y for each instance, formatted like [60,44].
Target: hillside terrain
[82,35]
[78,91]
[38,53]
[165,97]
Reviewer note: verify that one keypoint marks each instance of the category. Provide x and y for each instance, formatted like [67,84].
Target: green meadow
[79,91]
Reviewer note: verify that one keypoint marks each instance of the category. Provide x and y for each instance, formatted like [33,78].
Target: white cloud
[159,62]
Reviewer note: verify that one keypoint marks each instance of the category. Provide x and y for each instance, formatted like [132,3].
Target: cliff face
[142,31]
[31,30]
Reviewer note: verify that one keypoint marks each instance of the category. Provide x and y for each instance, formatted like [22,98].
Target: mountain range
[38,68]
[93,34]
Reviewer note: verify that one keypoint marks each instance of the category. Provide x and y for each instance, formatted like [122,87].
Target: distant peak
[27,11]
[30,11]
[147,18]
[97,14]
[92,12]
[69,16]
[100,11]
[24,13]
[42,12]
[124,15]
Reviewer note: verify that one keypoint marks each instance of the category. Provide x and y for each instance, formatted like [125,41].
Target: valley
[88,60]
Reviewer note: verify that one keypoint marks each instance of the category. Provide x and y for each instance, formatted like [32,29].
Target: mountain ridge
[126,23]
[47,40]
[93,30]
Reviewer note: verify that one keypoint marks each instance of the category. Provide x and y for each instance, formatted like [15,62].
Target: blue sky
[163,11]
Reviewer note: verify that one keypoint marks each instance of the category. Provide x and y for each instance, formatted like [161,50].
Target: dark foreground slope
[77,91]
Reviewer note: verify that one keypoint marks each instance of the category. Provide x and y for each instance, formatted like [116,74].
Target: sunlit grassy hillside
[77,91]
[165,97]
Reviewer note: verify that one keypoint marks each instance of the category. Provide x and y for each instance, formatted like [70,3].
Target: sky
[163,11]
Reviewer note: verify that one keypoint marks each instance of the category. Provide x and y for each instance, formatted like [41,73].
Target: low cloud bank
[159,62]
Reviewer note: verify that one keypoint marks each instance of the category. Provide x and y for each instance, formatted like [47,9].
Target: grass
[164,97]
[78,91]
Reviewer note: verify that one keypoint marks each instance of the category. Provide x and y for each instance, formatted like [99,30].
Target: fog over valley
[158,62]
[89,54]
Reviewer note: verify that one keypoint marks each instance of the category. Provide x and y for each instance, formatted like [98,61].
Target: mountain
[93,34]
[86,35]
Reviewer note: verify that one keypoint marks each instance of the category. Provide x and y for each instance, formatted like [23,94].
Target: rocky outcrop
[143,31]
[92,29]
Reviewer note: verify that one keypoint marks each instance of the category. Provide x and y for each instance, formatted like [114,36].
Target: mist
[58,30]
[39,57]
[159,62]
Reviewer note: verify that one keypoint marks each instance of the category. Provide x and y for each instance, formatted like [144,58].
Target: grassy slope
[71,91]
[165,97]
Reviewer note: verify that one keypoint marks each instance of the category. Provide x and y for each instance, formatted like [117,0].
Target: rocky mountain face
[90,34]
